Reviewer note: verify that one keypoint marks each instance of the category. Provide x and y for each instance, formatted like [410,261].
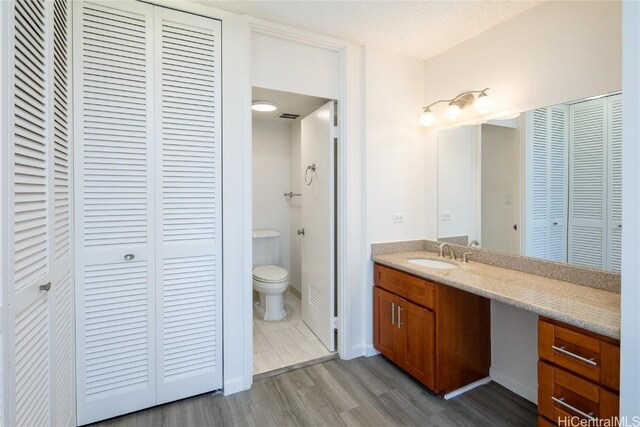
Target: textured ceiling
[421,29]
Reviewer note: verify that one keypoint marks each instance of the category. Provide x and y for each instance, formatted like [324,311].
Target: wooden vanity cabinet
[578,374]
[438,334]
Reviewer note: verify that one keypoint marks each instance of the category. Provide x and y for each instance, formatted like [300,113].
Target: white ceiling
[421,29]
[287,103]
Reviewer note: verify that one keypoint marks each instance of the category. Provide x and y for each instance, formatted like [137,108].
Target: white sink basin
[433,263]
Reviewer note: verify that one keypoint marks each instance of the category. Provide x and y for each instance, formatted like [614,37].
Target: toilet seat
[270,274]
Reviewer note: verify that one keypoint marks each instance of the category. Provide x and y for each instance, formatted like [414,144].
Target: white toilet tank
[266,247]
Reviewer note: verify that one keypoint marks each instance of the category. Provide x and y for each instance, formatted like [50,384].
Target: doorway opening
[294,230]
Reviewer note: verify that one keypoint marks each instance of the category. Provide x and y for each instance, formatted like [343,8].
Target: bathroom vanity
[435,324]
[438,334]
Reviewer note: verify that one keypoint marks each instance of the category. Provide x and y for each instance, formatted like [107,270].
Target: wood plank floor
[360,392]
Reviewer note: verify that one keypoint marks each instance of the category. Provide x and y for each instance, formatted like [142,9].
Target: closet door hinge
[334,132]
[334,323]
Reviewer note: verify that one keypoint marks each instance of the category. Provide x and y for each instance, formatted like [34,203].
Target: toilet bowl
[271,282]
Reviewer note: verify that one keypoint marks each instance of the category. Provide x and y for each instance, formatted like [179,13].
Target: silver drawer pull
[561,401]
[575,356]
[129,257]
[399,317]
[393,313]
[46,287]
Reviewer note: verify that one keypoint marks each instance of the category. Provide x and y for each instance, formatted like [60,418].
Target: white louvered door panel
[558,137]
[614,240]
[188,203]
[114,176]
[63,389]
[32,252]
[536,183]
[587,184]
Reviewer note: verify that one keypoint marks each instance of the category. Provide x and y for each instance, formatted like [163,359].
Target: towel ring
[312,168]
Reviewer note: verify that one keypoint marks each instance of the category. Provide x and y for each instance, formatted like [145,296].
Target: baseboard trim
[510,383]
[234,385]
[466,388]
[295,292]
[370,350]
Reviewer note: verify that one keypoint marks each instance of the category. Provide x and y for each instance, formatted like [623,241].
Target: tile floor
[286,342]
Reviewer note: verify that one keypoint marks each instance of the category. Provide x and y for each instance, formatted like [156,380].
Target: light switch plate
[397,218]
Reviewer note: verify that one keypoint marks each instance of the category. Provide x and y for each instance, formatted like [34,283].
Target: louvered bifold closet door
[558,180]
[587,184]
[614,161]
[40,376]
[115,326]
[537,183]
[30,401]
[63,343]
[188,200]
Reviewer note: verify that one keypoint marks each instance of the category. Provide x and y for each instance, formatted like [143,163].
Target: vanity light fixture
[482,103]
[264,106]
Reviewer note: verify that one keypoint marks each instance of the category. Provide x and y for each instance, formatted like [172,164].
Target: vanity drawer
[412,288]
[589,355]
[562,394]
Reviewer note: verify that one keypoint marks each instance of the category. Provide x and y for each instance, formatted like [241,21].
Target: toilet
[269,280]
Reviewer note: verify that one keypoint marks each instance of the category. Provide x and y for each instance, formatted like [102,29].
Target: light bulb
[452,112]
[484,103]
[264,106]
[427,118]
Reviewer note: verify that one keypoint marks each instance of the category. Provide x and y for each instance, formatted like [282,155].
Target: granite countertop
[588,308]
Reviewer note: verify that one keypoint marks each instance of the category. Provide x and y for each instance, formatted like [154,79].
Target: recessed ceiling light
[264,106]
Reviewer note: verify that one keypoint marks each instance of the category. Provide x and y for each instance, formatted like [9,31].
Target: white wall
[396,154]
[457,169]
[271,179]
[511,349]
[395,145]
[553,53]
[630,342]
[294,67]
[295,205]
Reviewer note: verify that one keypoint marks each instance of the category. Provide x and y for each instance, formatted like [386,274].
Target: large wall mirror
[545,184]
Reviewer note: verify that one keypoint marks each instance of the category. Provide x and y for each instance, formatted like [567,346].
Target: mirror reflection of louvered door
[546,150]
[148,208]
[587,184]
[614,162]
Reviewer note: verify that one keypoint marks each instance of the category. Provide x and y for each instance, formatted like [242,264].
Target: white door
[148,240]
[188,204]
[114,178]
[318,221]
[39,286]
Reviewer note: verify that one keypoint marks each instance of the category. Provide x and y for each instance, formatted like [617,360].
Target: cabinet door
[417,341]
[385,330]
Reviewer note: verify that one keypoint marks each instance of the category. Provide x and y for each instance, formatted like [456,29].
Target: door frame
[351,243]
[349,223]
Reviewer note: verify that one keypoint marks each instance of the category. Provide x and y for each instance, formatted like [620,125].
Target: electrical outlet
[397,218]
[445,216]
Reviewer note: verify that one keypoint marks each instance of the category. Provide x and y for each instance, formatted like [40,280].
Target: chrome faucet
[452,254]
[473,243]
